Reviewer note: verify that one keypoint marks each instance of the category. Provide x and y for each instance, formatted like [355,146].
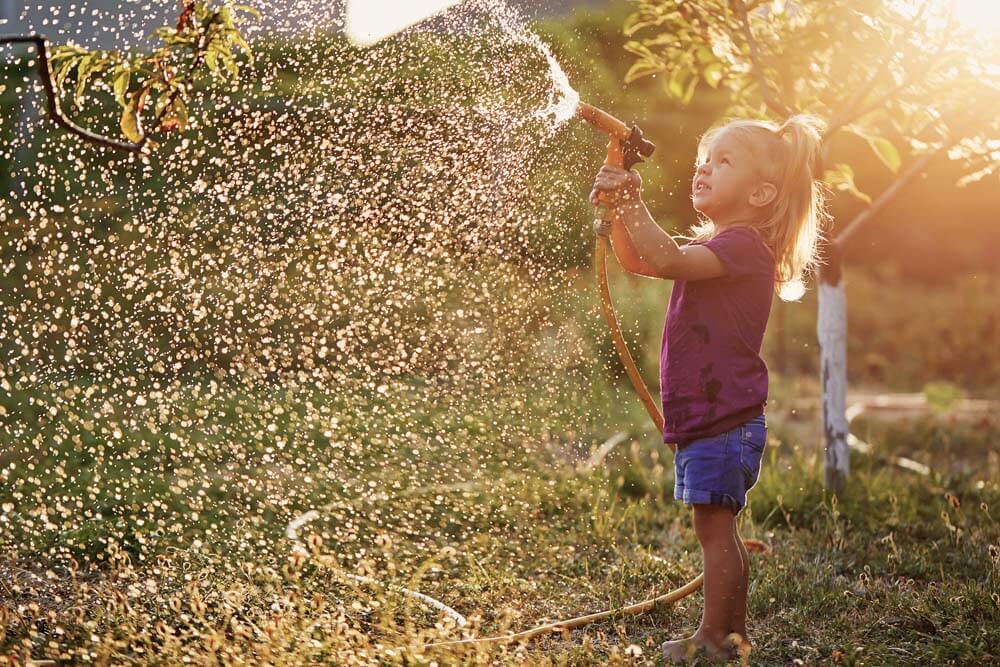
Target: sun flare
[979,13]
[369,21]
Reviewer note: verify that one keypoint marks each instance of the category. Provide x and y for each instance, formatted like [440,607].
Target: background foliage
[446,455]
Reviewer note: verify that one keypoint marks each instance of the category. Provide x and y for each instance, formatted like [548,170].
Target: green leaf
[242,43]
[171,37]
[632,27]
[231,67]
[131,123]
[161,102]
[639,49]
[704,55]
[886,151]
[248,9]
[212,60]
[642,68]
[942,396]
[841,177]
[637,21]
[713,74]
[83,70]
[675,86]
[226,17]
[634,22]
[223,48]
[882,147]
[689,93]
[67,51]
[178,113]
[63,70]
[122,78]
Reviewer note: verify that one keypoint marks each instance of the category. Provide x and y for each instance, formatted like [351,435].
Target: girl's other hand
[614,186]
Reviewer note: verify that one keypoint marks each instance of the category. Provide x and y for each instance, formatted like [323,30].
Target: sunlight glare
[984,14]
[368,21]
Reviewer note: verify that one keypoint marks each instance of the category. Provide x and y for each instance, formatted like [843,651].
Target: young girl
[755,186]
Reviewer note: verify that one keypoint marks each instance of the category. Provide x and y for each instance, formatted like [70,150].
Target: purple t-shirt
[712,377]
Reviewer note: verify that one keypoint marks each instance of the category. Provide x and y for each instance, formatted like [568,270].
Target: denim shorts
[720,469]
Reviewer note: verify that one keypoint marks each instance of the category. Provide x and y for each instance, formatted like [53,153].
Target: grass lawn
[155,529]
[509,532]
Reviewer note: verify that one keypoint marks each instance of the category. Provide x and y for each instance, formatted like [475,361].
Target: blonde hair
[788,156]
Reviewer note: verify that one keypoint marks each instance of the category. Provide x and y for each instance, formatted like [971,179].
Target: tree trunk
[831,330]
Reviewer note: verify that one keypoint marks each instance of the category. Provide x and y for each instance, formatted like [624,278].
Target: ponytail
[795,223]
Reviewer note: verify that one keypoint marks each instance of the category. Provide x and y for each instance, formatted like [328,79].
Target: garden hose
[626,148]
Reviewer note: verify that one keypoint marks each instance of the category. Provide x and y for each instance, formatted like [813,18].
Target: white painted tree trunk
[831,329]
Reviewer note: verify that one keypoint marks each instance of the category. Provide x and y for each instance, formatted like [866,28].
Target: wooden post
[831,330]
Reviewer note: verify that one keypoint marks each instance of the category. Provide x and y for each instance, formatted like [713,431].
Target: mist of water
[346,285]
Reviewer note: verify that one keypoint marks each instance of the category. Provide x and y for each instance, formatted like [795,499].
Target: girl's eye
[724,160]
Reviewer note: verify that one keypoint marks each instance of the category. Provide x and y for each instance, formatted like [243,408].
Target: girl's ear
[763,194]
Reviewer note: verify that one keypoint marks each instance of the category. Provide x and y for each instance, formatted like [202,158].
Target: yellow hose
[600,262]
[600,265]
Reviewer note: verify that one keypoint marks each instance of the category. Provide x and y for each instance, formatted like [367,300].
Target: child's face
[724,183]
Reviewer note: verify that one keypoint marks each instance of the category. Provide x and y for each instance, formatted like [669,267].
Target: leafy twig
[204,34]
[772,100]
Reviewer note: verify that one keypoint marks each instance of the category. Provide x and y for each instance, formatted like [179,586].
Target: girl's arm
[626,252]
[658,253]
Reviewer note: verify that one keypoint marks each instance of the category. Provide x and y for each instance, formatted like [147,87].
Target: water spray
[626,148]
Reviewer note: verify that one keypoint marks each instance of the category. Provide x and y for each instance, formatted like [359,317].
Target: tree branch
[52,97]
[952,136]
[886,197]
[772,100]
[52,94]
[851,112]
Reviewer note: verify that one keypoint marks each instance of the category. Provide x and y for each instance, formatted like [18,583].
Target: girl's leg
[715,526]
[738,618]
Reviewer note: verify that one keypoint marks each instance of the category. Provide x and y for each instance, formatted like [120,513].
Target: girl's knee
[713,523]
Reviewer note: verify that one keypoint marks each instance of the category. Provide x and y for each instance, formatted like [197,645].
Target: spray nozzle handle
[635,148]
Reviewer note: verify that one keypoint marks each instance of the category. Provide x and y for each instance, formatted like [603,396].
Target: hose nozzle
[627,146]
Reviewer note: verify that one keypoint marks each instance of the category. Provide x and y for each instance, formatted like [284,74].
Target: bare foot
[684,650]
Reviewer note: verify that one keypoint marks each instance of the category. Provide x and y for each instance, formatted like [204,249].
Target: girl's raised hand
[614,185]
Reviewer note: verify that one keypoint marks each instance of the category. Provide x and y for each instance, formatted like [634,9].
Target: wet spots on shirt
[702,332]
[710,385]
[712,390]
[676,417]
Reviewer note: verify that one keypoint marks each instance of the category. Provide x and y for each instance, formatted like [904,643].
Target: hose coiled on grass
[607,307]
